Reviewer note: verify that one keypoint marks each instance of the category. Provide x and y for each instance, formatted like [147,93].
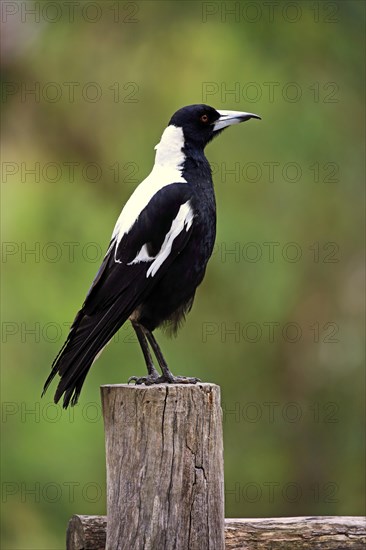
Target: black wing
[131,267]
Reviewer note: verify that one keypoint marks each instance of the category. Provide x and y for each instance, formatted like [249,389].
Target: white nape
[167,169]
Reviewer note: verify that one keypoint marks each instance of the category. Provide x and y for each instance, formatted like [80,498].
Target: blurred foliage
[293,411]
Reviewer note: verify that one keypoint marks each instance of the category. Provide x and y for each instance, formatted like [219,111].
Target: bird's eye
[204,118]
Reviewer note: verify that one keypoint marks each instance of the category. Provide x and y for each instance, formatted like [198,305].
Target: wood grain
[164,456]
[298,533]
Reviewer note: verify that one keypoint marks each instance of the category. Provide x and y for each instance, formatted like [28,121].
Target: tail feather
[88,336]
[114,295]
[56,362]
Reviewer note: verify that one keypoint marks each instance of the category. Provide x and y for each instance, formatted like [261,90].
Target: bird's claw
[147,380]
[153,379]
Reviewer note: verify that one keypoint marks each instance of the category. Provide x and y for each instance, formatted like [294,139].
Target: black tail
[88,336]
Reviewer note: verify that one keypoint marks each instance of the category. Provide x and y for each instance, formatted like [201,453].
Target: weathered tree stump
[299,533]
[165,483]
[165,479]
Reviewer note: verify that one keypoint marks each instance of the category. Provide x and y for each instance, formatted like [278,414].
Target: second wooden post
[165,479]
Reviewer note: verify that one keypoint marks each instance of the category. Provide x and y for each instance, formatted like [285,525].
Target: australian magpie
[157,255]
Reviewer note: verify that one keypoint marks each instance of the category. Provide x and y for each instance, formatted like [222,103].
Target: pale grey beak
[227,118]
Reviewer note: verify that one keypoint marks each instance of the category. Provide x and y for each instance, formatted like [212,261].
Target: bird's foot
[151,379]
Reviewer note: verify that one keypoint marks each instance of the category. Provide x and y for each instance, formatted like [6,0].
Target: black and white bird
[157,255]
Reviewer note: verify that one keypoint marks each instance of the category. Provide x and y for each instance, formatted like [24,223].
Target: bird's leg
[167,376]
[153,374]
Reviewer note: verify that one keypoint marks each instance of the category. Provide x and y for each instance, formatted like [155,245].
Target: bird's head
[201,123]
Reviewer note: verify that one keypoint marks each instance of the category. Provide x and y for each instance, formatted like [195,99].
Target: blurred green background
[87,89]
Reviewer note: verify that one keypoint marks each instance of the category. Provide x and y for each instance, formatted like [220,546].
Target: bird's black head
[200,123]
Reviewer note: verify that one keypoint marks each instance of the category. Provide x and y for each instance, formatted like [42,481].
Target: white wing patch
[182,221]
[142,256]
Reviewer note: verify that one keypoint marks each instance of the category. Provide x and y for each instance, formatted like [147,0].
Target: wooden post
[165,479]
[299,533]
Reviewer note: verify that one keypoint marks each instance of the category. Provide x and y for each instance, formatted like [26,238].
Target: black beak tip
[248,116]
